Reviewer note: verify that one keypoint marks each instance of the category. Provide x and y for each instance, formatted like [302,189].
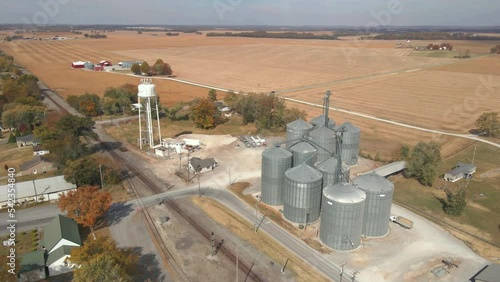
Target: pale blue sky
[253,12]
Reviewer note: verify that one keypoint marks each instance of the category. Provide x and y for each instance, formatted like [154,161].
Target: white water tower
[147,97]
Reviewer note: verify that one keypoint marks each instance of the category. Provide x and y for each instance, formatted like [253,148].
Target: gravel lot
[403,255]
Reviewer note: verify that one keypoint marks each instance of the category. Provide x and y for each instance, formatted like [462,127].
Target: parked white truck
[404,222]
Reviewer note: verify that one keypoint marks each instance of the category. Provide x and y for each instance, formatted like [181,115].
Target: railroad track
[171,204]
[150,223]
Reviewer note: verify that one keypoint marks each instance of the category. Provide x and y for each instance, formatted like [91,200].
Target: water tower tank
[342,212]
[303,152]
[329,170]
[147,91]
[320,121]
[379,193]
[296,130]
[350,142]
[302,194]
[275,161]
[324,140]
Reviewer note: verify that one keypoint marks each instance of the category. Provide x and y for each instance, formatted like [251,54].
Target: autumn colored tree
[125,257]
[136,68]
[101,268]
[85,205]
[89,104]
[205,114]
[145,68]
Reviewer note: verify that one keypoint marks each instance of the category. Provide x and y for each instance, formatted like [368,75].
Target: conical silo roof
[299,124]
[349,127]
[322,133]
[320,121]
[303,174]
[330,165]
[344,193]
[373,182]
[276,152]
[304,147]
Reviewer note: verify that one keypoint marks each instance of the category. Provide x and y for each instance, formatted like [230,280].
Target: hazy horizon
[368,13]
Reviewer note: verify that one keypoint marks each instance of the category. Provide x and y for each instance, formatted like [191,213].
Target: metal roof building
[462,170]
[490,274]
[342,214]
[388,169]
[302,194]
[379,192]
[275,161]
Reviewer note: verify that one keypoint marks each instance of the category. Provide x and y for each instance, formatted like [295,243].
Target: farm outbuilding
[78,65]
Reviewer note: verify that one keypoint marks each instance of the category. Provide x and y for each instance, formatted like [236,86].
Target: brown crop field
[370,77]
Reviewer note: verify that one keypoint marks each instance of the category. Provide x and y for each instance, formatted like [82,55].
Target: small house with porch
[462,170]
[202,165]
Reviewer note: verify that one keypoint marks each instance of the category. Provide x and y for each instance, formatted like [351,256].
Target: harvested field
[436,99]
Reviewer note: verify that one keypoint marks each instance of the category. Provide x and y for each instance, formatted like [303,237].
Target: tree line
[266,111]
[282,35]
[115,100]
[421,35]
[159,68]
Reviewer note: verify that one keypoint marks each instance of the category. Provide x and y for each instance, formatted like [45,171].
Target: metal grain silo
[342,213]
[350,142]
[275,161]
[296,130]
[89,66]
[302,194]
[320,121]
[324,140]
[329,170]
[379,193]
[303,152]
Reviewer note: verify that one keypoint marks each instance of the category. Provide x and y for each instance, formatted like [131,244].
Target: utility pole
[474,154]
[188,167]
[237,260]
[100,173]
[342,265]
[257,214]
[284,266]
[199,186]
[307,216]
[354,273]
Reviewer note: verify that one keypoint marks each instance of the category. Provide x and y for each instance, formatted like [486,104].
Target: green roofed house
[60,236]
[32,267]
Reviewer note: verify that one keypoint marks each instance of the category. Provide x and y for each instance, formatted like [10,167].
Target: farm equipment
[404,222]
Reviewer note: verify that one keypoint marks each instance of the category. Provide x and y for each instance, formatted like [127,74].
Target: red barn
[98,68]
[78,65]
[105,63]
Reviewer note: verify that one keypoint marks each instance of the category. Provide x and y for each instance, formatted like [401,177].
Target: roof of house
[462,168]
[490,273]
[32,261]
[59,228]
[198,164]
[58,254]
[28,138]
[31,188]
[36,160]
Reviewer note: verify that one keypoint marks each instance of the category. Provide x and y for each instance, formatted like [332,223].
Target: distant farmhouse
[462,170]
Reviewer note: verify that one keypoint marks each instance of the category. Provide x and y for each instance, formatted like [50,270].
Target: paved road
[29,219]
